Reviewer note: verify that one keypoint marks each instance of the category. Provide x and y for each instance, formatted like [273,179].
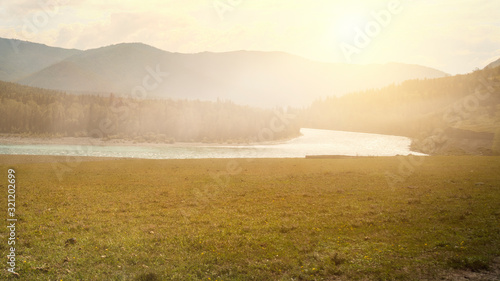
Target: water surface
[312,142]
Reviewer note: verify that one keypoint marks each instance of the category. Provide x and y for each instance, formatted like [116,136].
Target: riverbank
[262,219]
[21,140]
[443,145]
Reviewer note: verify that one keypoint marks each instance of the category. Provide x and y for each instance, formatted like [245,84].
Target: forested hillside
[38,112]
[459,114]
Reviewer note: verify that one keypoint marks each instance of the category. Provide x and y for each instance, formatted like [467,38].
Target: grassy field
[262,219]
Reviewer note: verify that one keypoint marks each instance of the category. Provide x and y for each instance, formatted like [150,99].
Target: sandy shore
[9,159]
[17,140]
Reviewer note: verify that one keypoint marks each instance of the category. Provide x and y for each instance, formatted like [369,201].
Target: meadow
[254,219]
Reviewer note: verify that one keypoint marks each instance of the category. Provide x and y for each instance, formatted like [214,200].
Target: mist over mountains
[264,79]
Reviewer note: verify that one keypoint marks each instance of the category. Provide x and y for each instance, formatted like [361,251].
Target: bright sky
[454,36]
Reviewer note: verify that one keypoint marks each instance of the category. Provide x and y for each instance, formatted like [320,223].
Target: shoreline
[17,140]
[14,159]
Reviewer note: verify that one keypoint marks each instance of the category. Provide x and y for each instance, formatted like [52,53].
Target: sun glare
[347,22]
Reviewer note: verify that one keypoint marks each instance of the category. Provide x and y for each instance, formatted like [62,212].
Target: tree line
[39,112]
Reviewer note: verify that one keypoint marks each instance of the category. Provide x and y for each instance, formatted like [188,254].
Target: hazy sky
[455,36]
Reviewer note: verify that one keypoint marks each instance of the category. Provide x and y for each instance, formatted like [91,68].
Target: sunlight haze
[250,139]
[452,36]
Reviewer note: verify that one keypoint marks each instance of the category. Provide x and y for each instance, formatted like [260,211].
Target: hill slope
[459,114]
[494,64]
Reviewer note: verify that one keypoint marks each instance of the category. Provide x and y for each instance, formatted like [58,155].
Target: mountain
[246,77]
[494,64]
[20,58]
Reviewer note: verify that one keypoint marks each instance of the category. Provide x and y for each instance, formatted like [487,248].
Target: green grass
[263,219]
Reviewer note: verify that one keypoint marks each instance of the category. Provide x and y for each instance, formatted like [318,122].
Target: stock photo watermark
[452,116]
[363,37]
[11,221]
[224,6]
[278,123]
[150,82]
[39,20]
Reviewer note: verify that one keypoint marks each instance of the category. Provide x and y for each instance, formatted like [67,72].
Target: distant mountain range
[19,59]
[245,77]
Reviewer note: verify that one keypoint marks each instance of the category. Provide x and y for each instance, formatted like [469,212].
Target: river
[311,142]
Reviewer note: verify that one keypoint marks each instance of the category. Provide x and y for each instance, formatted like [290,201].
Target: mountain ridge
[20,58]
[257,78]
